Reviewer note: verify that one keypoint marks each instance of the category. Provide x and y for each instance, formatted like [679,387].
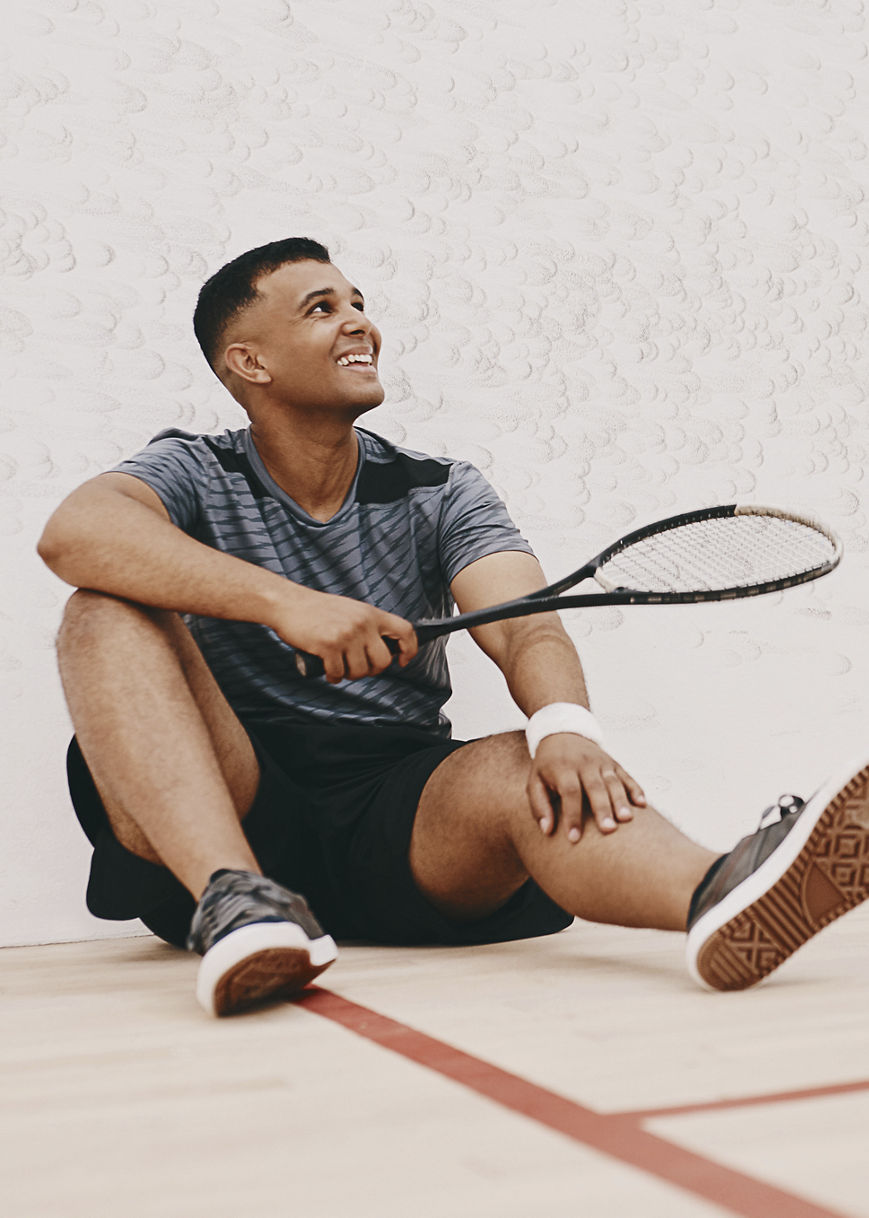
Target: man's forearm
[112,543]
[121,542]
[539,663]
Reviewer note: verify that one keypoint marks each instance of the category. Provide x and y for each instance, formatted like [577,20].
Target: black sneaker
[257,941]
[782,884]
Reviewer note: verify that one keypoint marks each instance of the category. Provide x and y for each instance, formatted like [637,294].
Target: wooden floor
[581,1075]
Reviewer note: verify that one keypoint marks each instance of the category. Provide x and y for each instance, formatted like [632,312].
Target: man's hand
[569,776]
[346,634]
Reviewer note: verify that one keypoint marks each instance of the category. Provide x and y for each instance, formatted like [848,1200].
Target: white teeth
[354,359]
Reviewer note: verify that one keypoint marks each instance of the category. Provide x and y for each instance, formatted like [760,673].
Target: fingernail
[574,835]
[544,826]
[625,813]
[607,823]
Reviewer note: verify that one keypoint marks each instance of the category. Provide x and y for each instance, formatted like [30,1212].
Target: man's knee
[91,615]
[484,784]
[462,853]
[507,766]
[84,611]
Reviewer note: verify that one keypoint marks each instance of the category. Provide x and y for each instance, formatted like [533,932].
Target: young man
[216,784]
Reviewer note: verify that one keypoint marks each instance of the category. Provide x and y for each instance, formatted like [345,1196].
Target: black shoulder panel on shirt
[237,463]
[386,482]
[173,433]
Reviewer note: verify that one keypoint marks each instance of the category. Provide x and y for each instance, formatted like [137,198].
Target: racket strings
[717,553]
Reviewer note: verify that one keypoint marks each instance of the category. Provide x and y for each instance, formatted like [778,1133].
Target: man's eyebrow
[318,293]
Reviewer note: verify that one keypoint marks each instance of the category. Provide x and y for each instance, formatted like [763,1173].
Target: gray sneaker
[257,941]
[783,884]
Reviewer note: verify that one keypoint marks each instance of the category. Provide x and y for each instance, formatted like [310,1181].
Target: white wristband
[562,717]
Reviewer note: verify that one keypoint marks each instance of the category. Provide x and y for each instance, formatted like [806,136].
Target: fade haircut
[233,288]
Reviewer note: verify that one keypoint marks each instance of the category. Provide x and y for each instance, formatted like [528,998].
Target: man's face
[310,333]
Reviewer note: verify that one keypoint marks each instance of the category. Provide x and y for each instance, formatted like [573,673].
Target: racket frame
[548,599]
[536,602]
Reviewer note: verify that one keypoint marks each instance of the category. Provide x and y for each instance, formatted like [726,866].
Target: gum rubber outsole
[266,961]
[819,872]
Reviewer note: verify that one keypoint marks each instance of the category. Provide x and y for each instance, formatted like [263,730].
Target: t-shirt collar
[281,495]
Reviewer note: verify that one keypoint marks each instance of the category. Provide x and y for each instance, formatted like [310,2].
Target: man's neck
[313,461]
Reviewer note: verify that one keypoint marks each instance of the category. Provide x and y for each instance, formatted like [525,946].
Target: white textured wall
[618,252]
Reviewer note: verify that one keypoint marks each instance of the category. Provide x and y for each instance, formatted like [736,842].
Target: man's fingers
[379,656]
[333,667]
[581,780]
[356,661]
[636,794]
[600,803]
[349,636]
[619,797]
[367,657]
[541,804]
[402,649]
[569,791]
[402,633]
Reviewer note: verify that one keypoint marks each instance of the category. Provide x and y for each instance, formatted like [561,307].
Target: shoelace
[785,805]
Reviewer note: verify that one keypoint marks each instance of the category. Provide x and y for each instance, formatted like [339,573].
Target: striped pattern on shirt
[408,525]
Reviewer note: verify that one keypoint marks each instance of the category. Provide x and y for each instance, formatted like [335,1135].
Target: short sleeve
[175,466]
[473,522]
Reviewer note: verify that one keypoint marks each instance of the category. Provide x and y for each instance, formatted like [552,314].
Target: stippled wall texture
[618,252]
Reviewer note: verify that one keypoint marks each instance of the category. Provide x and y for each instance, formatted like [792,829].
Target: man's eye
[327,307]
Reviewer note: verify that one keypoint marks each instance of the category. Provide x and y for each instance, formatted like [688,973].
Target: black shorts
[332,819]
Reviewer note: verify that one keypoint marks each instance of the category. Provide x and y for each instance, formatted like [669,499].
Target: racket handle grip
[309,665]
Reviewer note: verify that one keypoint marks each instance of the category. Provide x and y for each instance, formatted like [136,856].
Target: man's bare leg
[173,765]
[475,842]
[177,773]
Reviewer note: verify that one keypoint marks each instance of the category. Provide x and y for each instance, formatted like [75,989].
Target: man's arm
[541,666]
[114,535]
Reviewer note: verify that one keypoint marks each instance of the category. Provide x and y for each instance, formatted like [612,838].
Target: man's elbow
[526,635]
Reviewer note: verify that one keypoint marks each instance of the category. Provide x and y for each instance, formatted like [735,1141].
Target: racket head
[718,553]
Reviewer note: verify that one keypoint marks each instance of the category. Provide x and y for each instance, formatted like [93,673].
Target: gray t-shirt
[409,524]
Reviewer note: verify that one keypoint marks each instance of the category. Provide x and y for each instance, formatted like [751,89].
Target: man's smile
[358,361]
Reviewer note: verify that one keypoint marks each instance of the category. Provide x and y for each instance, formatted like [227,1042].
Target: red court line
[617,1135]
[775,1097]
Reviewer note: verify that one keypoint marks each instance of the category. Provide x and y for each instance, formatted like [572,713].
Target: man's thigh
[129,672]
[462,851]
[122,884]
[410,805]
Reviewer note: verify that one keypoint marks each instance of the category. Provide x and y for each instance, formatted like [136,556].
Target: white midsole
[257,937]
[770,870]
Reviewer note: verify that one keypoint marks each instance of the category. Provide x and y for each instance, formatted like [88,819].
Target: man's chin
[371,400]
[344,406]
[354,410]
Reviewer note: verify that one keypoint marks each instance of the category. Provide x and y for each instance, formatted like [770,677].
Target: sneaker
[257,941]
[781,885]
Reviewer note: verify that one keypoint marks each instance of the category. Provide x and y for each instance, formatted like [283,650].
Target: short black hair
[233,287]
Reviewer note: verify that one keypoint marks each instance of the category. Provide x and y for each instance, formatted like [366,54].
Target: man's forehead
[295,280]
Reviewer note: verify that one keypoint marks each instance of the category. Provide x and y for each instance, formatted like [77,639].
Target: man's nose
[356,322]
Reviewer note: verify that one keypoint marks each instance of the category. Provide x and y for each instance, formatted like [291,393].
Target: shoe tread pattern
[829,877]
[269,975]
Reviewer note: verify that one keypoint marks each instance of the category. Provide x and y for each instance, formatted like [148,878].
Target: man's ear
[244,362]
